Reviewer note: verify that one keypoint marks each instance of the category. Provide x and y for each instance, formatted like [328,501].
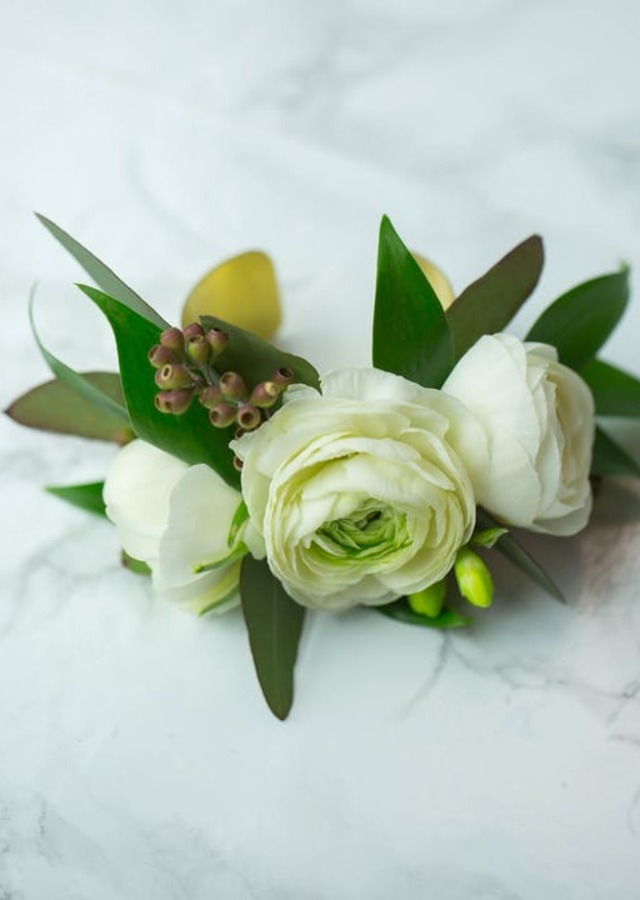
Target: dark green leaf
[410,332]
[256,359]
[609,458]
[102,274]
[85,496]
[99,399]
[56,406]
[190,436]
[137,566]
[274,622]
[580,321]
[402,612]
[490,303]
[615,392]
[516,553]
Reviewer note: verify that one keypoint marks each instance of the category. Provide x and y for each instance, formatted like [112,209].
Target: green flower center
[372,531]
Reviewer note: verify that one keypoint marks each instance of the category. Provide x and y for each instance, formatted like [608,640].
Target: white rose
[176,518]
[358,492]
[538,417]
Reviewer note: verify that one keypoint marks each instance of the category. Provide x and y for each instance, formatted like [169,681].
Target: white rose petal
[358,492]
[538,418]
[175,518]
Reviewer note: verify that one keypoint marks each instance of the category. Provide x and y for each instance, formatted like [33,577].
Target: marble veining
[137,759]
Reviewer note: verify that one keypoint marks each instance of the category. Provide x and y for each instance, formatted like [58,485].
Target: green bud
[210,396]
[198,350]
[232,386]
[176,402]
[222,415]
[265,394]
[218,340]
[193,331]
[283,377]
[428,602]
[474,578]
[160,356]
[248,417]
[237,464]
[173,339]
[171,377]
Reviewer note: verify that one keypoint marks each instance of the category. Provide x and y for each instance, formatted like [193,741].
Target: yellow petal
[243,291]
[437,279]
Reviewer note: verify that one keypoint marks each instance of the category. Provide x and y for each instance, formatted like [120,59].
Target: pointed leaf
[516,553]
[85,496]
[580,321]
[242,290]
[274,622]
[190,436]
[56,406]
[102,274]
[402,612]
[410,332]
[255,359]
[490,303]
[615,392]
[609,458]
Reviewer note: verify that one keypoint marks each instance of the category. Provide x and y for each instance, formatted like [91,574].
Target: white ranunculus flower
[358,492]
[538,416]
[175,518]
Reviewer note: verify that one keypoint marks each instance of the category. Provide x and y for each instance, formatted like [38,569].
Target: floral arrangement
[243,477]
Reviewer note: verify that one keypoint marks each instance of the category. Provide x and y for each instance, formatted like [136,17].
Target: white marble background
[137,759]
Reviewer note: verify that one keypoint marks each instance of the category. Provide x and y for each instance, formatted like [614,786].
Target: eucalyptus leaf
[615,392]
[579,322]
[410,332]
[516,553]
[107,280]
[402,612]
[256,359]
[190,436]
[85,496]
[274,622]
[490,303]
[58,407]
[609,458]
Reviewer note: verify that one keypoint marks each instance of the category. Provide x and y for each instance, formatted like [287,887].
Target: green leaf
[489,537]
[580,321]
[609,458]
[410,332]
[402,612]
[99,400]
[190,436]
[85,496]
[516,553]
[615,392]
[490,303]
[56,406]
[102,275]
[137,566]
[256,359]
[274,622]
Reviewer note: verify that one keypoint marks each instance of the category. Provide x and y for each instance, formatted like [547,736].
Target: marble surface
[137,759]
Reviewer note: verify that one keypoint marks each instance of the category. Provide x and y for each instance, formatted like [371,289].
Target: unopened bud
[192,331]
[176,402]
[283,377]
[210,396]
[218,340]
[198,350]
[232,386]
[160,356]
[237,464]
[248,417]
[474,578]
[265,394]
[222,415]
[171,378]
[173,339]
[429,601]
